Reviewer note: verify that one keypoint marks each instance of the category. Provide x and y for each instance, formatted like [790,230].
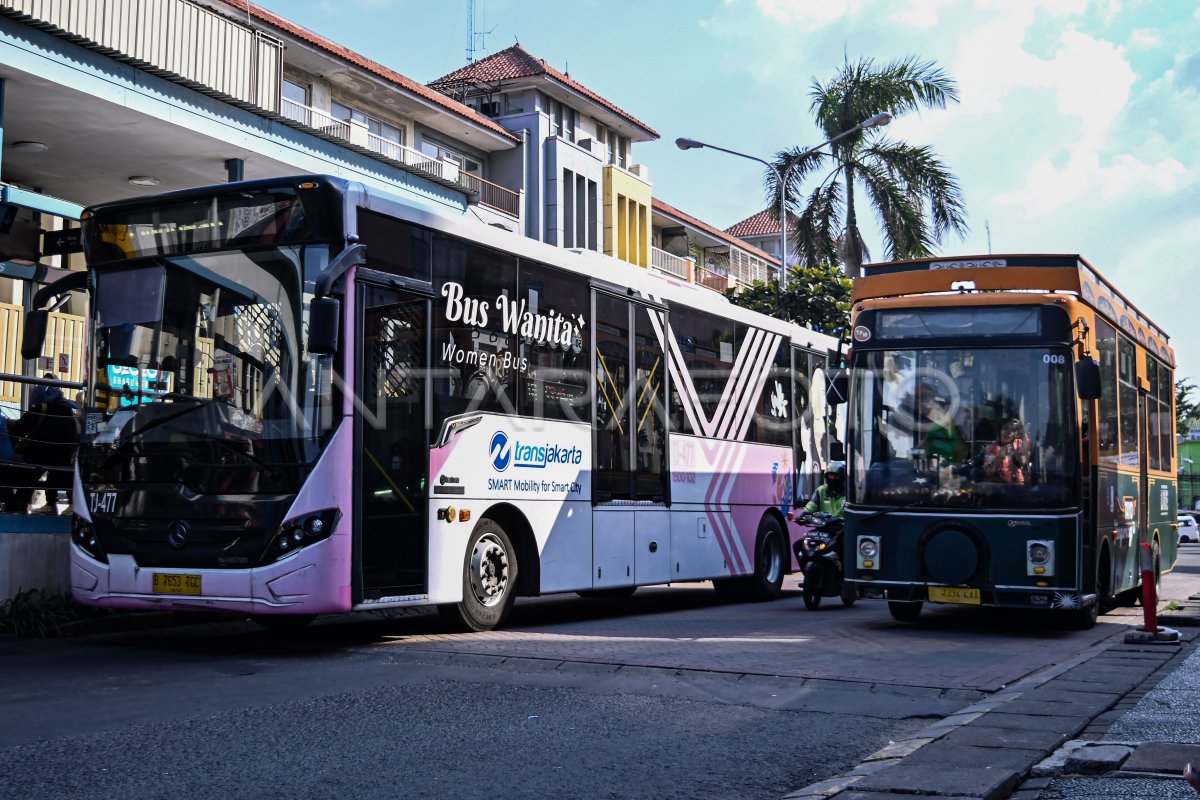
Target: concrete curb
[1014,731]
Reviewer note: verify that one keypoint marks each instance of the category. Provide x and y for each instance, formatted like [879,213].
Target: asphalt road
[665,695]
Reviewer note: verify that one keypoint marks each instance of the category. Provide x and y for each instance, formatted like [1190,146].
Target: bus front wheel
[283,623]
[489,580]
[903,611]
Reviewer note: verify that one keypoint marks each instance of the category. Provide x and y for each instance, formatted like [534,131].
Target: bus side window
[1107,427]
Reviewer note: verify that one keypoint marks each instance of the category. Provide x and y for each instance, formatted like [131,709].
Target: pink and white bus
[306,397]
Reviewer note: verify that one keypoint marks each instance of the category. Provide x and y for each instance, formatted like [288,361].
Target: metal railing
[506,201]
[669,264]
[710,279]
[315,118]
[491,195]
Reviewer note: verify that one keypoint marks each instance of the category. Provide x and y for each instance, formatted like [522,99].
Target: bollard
[1149,597]
[1150,633]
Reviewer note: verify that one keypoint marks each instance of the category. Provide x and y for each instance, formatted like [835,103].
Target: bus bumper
[1033,597]
[301,584]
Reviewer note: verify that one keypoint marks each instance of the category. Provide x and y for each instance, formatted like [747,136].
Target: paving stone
[1097,760]
[889,796]
[1162,757]
[1015,738]
[1040,709]
[980,782]
[939,755]
[1067,725]
[1053,694]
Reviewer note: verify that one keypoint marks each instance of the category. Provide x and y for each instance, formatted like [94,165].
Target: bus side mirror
[1087,379]
[836,389]
[324,318]
[837,450]
[34,336]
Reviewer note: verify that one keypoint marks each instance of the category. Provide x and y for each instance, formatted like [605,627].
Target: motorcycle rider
[830,496]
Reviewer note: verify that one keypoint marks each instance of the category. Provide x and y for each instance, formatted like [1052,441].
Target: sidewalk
[1117,721]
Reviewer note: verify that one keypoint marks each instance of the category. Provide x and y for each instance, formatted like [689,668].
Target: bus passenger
[943,439]
[1007,459]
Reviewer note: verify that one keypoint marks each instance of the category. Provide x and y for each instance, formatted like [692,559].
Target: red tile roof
[516,62]
[660,206]
[389,75]
[764,223]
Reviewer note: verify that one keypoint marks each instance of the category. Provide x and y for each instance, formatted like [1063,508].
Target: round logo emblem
[500,450]
[861,333]
[177,534]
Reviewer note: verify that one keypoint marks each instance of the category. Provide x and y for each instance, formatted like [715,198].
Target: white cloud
[1144,39]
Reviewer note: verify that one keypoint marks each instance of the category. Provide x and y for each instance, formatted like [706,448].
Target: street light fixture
[873,121]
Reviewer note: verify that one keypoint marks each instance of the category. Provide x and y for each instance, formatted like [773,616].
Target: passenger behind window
[1007,459]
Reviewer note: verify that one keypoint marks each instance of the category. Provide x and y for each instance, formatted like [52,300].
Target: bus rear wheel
[903,611]
[770,559]
[489,580]
[283,622]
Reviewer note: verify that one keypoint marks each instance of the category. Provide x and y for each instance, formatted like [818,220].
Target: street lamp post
[874,121]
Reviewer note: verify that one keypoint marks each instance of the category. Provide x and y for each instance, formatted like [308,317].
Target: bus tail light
[301,532]
[868,552]
[1039,558]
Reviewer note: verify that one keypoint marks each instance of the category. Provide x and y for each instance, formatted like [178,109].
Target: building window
[616,148]
[562,120]
[440,151]
[295,102]
[296,92]
[493,108]
[375,126]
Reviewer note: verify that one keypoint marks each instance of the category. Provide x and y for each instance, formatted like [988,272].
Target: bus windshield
[199,361]
[977,428]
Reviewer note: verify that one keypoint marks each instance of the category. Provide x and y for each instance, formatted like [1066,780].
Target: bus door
[631,468]
[392,451]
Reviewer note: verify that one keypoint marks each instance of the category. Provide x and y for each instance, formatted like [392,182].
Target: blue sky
[1074,132]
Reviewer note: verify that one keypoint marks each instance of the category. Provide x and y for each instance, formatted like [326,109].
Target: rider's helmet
[835,477]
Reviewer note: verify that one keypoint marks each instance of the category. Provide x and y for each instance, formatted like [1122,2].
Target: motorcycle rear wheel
[848,596]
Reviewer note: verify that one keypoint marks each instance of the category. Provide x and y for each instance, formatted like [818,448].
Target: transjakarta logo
[505,452]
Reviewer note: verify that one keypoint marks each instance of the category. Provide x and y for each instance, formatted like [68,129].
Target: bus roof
[1013,273]
[588,263]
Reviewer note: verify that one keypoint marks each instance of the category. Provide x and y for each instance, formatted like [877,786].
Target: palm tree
[916,198]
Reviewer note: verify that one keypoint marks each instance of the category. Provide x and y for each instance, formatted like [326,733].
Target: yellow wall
[626,216]
[64,334]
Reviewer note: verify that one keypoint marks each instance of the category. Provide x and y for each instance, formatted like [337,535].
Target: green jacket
[823,501]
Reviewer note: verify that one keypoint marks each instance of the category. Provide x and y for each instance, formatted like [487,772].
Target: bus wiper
[149,426]
[251,459]
[886,511]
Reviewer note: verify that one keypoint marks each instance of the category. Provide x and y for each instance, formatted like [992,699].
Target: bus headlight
[299,532]
[1039,557]
[868,552]
[85,539]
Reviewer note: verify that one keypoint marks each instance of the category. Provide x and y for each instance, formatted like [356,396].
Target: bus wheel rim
[489,570]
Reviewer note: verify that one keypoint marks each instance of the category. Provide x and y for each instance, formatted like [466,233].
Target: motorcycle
[819,554]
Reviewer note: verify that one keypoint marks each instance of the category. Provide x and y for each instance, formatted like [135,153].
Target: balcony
[711,278]
[314,118]
[487,193]
[668,264]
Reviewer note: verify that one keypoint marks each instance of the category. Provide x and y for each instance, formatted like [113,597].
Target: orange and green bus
[1011,437]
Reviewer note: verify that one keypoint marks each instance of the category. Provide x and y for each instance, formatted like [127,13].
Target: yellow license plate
[953,594]
[167,583]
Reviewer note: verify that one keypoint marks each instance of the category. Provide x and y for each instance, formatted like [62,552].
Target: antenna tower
[470,31]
